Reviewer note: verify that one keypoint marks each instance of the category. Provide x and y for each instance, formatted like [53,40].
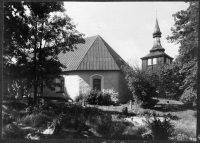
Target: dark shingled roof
[156,54]
[157,32]
[94,54]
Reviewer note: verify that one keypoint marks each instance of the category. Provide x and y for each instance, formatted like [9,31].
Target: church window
[97,84]
[149,62]
[154,61]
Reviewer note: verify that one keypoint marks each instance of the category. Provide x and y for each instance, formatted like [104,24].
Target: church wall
[79,82]
[113,82]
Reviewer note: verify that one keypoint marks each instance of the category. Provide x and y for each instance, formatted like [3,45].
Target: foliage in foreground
[14,132]
[160,130]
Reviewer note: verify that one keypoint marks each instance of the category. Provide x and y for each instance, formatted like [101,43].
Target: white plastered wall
[72,85]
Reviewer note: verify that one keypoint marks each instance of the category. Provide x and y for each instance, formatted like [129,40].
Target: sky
[127,26]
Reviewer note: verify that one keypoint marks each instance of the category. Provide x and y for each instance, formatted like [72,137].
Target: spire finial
[156,14]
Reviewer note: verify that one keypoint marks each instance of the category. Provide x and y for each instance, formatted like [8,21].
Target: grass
[186,123]
[100,119]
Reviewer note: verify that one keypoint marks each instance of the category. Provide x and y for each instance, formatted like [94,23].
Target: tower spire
[157,34]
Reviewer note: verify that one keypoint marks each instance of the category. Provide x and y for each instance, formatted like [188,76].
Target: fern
[160,130]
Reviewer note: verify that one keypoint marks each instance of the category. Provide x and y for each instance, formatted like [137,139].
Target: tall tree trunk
[35,67]
[40,61]
[198,96]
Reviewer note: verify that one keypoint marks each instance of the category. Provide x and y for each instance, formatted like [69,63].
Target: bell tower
[157,55]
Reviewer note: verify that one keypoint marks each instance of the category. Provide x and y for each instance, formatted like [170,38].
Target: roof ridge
[87,50]
[91,36]
[115,53]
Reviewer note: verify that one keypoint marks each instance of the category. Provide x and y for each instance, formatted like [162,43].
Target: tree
[41,31]
[185,32]
[140,84]
[168,80]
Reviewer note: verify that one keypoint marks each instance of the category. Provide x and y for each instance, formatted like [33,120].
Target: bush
[6,118]
[9,115]
[81,119]
[104,124]
[168,79]
[14,132]
[98,98]
[118,129]
[139,82]
[160,130]
[189,97]
[34,120]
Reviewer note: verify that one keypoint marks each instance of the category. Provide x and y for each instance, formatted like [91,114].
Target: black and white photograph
[107,72]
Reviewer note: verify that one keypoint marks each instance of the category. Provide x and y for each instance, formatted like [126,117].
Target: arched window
[97,82]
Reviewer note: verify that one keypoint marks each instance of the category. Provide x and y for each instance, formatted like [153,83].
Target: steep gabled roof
[94,54]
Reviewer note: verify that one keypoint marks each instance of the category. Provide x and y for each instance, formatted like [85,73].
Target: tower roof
[157,32]
[157,49]
[156,54]
[94,54]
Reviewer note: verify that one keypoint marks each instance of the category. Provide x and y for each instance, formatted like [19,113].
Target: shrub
[147,113]
[81,119]
[189,97]
[6,118]
[98,98]
[14,132]
[9,115]
[117,129]
[160,130]
[34,120]
[139,82]
[104,124]
[168,79]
